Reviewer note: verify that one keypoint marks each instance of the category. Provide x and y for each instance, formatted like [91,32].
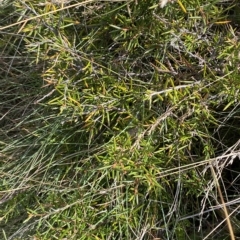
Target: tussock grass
[113,114]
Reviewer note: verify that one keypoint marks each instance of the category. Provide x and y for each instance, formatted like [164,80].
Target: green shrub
[111,114]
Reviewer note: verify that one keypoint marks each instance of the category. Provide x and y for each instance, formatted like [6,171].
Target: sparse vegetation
[119,120]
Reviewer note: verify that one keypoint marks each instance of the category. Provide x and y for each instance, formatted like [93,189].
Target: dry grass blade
[227,217]
[55,11]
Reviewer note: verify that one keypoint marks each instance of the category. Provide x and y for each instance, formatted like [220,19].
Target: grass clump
[113,114]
